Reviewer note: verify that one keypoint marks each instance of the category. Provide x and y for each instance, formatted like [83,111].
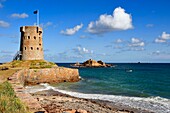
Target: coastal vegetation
[9,103]
[29,64]
[41,64]
[4,74]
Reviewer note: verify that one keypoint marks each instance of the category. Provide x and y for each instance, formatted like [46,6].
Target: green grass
[41,64]
[6,73]
[28,64]
[9,103]
[16,63]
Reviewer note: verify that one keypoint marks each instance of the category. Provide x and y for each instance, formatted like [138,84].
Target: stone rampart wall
[48,75]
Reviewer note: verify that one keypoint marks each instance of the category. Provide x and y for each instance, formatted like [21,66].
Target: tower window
[35,37]
[31,48]
[37,48]
[39,44]
[25,48]
[28,37]
[40,32]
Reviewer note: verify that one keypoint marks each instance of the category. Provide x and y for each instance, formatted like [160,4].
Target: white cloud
[72,31]
[137,49]
[163,38]
[83,36]
[149,25]
[119,41]
[118,47]
[118,44]
[108,46]
[6,58]
[46,24]
[135,42]
[5,51]
[156,52]
[159,40]
[4,24]
[16,15]
[1,6]
[136,45]
[9,35]
[82,50]
[120,20]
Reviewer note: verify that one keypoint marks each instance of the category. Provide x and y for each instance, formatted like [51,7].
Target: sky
[119,31]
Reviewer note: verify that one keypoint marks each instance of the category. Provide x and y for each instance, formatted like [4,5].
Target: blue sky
[76,30]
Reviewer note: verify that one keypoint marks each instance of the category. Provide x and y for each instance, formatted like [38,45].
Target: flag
[36,11]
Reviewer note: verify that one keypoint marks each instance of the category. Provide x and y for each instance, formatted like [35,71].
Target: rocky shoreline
[56,102]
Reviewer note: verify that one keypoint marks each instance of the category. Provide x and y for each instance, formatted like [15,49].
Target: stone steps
[24,96]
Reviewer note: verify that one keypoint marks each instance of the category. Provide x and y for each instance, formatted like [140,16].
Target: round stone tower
[31,45]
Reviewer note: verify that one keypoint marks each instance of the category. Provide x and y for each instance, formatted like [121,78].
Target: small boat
[129,70]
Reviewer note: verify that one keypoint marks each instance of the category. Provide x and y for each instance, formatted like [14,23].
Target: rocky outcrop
[92,63]
[48,75]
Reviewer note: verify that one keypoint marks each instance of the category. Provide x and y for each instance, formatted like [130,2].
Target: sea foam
[151,104]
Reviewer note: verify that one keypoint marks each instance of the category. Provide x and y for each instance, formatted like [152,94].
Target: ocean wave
[151,104]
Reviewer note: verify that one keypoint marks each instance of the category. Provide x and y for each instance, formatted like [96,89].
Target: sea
[143,86]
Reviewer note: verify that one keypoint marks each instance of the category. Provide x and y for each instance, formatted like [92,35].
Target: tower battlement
[31,44]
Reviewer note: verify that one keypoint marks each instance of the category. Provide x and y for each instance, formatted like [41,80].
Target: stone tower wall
[31,45]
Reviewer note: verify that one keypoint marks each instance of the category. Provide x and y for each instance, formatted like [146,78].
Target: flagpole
[37,17]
